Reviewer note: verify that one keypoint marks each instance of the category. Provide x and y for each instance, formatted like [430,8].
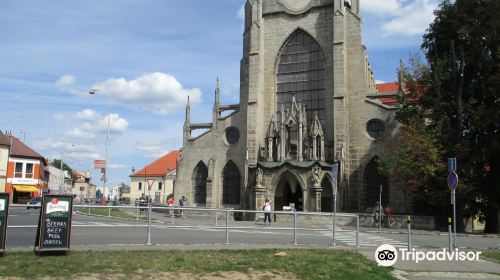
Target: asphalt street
[91,230]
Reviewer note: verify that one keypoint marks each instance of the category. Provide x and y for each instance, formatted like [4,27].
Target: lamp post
[92,92]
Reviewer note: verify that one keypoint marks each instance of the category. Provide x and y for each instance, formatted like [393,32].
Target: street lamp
[93,92]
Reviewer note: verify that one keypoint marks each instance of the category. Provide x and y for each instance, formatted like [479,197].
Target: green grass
[305,264]
[492,255]
[114,213]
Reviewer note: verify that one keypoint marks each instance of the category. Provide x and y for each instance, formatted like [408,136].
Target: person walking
[267,208]
[170,204]
[182,203]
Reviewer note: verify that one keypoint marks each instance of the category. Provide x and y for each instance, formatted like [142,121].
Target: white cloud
[151,150]
[116,123]
[157,92]
[412,20]
[66,84]
[79,133]
[241,12]
[401,17]
[382,8]
[380,82]
[94,122]
[87,115]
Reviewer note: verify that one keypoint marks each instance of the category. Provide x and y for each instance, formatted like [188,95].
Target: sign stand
[54,224]
[4,214]
[452,184]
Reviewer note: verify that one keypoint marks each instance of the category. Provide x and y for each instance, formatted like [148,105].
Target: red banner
[99,164]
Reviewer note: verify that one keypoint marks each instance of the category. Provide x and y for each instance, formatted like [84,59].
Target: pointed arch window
[301,72]
[231,184]
[200,175]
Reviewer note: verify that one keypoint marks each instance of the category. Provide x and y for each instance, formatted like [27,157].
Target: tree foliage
[456,106]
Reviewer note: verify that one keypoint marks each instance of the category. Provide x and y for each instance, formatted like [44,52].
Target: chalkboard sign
[54,225]
[4,214]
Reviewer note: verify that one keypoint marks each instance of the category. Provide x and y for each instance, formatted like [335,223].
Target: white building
[60,181]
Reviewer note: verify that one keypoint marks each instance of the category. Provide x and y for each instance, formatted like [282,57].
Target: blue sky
[148,56]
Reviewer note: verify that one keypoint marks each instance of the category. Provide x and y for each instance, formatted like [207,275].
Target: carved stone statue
[316,173]
[258,178]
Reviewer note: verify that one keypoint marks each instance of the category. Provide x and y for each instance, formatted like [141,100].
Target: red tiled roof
[161,166]
[19,149]
[3,139]
[388,87]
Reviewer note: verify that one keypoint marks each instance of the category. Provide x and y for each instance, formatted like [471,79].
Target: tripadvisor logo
[387,255]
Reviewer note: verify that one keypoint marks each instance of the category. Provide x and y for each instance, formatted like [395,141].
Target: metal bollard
[149,225]
[450,245]
[408,220]
[216,219]
[89,210]
[172,216]
[227,227]
[109,212]
[357,231]
[295,227]
[137,214]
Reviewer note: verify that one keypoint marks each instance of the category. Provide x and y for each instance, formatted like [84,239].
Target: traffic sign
[452,164]
[452,181]
[150,183]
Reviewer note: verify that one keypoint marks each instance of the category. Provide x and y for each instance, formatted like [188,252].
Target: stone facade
[304,105]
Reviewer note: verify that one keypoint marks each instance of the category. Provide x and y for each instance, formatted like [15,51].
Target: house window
[82,189]
[18,172]
[160,184]
[139,186]
[29,170]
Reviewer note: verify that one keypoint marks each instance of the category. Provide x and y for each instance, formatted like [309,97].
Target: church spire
[187,125]
[217,92]
[215,110]
[188,114]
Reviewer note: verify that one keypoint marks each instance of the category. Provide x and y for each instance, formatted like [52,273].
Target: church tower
[306,91]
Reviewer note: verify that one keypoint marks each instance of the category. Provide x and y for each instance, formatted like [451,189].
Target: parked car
[35,202]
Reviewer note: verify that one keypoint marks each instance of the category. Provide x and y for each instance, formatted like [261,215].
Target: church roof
[160,167]
[388,88]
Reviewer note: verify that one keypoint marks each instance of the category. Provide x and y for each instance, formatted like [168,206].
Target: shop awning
[25,188]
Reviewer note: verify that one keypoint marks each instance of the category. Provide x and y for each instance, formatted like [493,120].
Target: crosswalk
[366,239]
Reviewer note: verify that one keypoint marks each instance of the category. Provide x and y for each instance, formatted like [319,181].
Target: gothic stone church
[306,101]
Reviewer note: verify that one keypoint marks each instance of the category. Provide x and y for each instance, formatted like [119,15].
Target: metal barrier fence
[232,219]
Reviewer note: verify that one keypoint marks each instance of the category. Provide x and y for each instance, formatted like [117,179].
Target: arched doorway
[326,195]
[288,192]
[200,175]
[373,180]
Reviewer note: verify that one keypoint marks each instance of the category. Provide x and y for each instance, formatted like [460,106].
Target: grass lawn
[304,264]
[114,213]
[493,255]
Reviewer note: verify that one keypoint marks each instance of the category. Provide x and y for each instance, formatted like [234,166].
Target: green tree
[57,164]
[463,105]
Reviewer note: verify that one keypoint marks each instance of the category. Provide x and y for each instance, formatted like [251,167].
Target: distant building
[27,175]
[83,189]
[4,160]
[161,173]
[60,182]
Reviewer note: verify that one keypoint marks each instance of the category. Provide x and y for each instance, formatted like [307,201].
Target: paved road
[89,230]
